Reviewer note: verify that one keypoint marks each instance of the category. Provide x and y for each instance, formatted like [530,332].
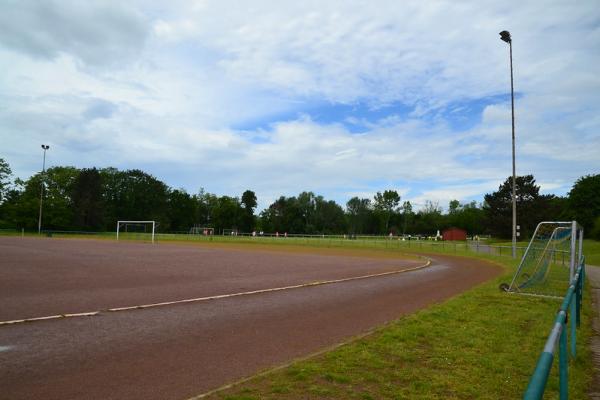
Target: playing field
[224,312]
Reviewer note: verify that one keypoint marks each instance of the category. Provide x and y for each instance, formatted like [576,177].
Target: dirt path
[179,351]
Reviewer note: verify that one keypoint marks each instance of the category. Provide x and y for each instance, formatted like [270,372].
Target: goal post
[120,223]
[550,260]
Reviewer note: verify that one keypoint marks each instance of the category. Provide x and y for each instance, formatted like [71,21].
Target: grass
[591,249]
[482,344]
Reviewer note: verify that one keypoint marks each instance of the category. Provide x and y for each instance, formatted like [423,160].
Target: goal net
[550,260]
[136,230]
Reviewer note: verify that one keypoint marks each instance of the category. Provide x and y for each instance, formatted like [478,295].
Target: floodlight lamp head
[505,36]
[45,147]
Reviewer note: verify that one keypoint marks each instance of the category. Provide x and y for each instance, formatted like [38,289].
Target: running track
[178,351]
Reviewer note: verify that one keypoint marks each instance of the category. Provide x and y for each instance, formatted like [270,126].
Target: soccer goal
[133,226]
[550,260]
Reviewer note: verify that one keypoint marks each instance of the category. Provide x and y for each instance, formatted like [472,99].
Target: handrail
[571,304]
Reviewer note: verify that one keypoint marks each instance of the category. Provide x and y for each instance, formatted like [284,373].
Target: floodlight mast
[44,147]
[505,36]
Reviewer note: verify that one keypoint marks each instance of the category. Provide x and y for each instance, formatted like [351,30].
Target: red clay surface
[175,352]
[40,277]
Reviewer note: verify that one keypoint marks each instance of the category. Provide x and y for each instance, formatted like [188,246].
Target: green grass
[591,250]
[482,344]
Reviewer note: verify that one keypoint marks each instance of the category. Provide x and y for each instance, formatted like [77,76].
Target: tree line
[91,199]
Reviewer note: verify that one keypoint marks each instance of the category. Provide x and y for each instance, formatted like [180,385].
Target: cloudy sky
[343,98]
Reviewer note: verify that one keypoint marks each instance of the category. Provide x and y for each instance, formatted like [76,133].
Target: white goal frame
[119,223]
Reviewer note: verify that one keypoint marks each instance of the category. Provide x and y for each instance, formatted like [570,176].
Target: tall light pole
[45,147]
[505,36]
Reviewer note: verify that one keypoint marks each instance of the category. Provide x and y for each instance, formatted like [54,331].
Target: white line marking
[216,297]
[5,348]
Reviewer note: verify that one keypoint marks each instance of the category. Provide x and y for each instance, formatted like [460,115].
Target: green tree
[181,210]
[206,202]
[407,216]
[453,207]
[5,175]
[11,209]
[584,200]
[133,195]
[88,204]
[249,203]
[329,217]
[358,214]
[307,204]
[532,207]
[429,219]
[58,204]
[226,213]
[469,217]
[595,232]
[386,204]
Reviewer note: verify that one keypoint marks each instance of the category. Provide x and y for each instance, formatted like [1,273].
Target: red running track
[178,351]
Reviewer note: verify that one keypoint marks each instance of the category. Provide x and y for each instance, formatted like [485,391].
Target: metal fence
[571,305]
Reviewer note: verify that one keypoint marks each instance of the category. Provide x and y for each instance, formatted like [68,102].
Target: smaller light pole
[505,36]
[44,147]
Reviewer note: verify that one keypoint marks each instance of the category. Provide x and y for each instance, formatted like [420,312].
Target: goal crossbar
[119,223]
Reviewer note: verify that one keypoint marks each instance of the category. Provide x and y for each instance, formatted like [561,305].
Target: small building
[454,234]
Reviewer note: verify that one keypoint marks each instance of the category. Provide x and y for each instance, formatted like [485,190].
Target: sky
[342,98]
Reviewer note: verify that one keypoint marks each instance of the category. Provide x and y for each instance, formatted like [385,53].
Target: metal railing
[571,305]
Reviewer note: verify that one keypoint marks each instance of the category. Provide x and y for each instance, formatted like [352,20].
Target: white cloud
[95,32]
[165,87]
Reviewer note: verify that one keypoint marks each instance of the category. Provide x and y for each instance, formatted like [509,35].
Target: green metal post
[563,365]
[573,327]
[578,295]
[537,384]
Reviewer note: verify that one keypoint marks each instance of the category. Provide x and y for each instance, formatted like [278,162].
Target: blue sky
[344,98]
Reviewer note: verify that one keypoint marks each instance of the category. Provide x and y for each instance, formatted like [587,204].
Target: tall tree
[532,207]
[329,217]
[386,204]
[181,210]
[358,214]
[88,205]
[5,174]
[453,207]
[249,203]
[407,215]
[133,195]
[226,213]
[307,204]
[429,219]
[469,217]
[584,200]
